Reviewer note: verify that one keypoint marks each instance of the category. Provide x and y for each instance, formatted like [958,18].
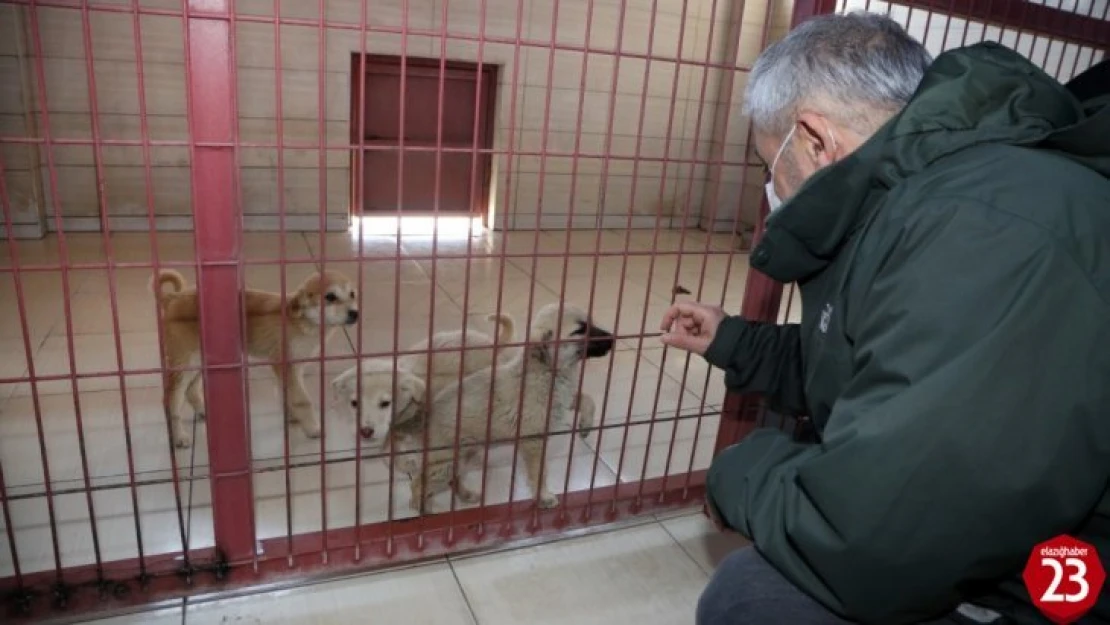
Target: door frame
[490,71]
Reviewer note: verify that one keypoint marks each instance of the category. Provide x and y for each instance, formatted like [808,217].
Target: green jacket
[953,353]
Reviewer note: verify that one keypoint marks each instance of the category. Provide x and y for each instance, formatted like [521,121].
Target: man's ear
[818,138]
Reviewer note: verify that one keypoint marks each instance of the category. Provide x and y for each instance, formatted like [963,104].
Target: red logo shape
[1064,577]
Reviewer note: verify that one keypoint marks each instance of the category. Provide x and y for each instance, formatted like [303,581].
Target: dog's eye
[331,297]
[580,330]
[384,403]
[354,403]
[352,294]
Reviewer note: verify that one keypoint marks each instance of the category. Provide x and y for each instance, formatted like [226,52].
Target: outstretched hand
[691,326]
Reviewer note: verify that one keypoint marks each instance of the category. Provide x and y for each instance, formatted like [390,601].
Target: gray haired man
[948,223]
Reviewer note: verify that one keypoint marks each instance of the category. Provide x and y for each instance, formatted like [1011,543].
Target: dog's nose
[600,342]
[366,432]
[352,316]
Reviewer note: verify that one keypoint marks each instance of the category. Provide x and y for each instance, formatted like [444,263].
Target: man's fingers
[686,342]
[691,311]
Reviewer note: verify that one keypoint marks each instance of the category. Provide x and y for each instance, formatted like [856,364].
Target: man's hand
[691,326]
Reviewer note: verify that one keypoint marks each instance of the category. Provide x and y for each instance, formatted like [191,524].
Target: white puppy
[377,407]
[546,373]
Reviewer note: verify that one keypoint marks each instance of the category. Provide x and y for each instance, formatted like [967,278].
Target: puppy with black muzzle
[545,372]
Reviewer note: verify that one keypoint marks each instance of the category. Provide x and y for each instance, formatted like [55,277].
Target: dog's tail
[506,327]
[166,276]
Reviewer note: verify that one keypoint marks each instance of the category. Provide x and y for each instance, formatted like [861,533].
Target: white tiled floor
[640,389]
[650,573]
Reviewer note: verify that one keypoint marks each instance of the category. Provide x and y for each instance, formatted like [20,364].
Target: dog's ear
[541,351]
[341,384]
[411,391]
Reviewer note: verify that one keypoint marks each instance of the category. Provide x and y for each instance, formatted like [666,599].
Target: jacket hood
[980,94]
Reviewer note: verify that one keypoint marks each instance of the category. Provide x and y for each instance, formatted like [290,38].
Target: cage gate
[453,160]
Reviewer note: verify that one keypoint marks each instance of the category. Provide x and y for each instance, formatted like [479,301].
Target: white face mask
[773,199]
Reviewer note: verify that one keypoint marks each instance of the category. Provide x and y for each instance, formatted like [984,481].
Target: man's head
[824,89]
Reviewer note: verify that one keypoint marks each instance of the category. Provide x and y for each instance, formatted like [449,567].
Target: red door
[382,102]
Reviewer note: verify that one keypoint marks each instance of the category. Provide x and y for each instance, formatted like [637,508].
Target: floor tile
[167,616]
[426,595]
[704,543]
[638,575]
[644,390]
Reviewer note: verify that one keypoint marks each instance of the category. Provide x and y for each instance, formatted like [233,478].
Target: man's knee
[747,589]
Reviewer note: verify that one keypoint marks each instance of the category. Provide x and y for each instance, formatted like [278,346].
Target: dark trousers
[746,589]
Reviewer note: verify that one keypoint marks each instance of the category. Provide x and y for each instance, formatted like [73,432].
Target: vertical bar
[651,272]
[322,155]
[233,68]
[508,527]
[211,120]
[106,237]
[148,182]
[397,262]
[283,365]
[479,86]
[733,58]
[574,189]
[360,182]
[509,154]
[436,188]
[762,294]
[13,255]
[63,255]
[677,274]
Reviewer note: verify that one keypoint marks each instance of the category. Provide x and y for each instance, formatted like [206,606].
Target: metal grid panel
[203,137]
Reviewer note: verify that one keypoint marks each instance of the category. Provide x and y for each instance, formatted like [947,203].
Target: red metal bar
[165,583]
[651,271]
[322,155]
[63,255]
[397,266]
[106,239]
[393,30]
[597,238]
[761,294]
[209,64]
[313,261]
[433,288]
[597,243]
[1041,19]
[148,180]
[359,172]
[508,526]
[726,87]
[279,121]
[13,255]
[476,125]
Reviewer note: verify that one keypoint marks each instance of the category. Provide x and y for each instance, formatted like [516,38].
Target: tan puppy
[546,373]
[263,310]
[379,409]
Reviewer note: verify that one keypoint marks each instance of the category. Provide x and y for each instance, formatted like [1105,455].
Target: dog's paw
[311,428]
[547,500]
[182,440]
[200,416]
[468,496]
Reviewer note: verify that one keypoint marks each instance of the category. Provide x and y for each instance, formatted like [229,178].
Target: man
[948,224]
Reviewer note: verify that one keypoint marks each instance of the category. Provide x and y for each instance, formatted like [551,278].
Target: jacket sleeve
[974,427]
[761,358]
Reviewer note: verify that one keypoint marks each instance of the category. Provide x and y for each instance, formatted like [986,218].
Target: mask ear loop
[832,137]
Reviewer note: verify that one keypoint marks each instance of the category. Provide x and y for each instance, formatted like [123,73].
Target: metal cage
[454,159]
